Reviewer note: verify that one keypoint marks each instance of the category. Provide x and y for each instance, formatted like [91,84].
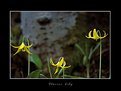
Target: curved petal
[15,46]
[64,65]
[29,46]
[89,34]
[98,32]
[51,61]
[23,50]
[17,51]
[88,37]
[56,70]
[104,35]
[27,50]
[60,62]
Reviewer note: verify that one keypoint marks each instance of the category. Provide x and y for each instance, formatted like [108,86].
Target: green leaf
[42,76]
[35,74]
[81,50]
[49,67]
[36,60]
[93,50]
[85,60]
[90,53]
[98,44]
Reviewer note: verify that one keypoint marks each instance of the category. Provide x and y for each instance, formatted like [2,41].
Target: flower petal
[15,46]
[22,46]
[65,66]
[23,50]
[64,63]
[104,35]
[29,46]
[60,62]
[56,70]
[17,51]
[89,34]
[27,50]
[98,32]
[51,61]
[88,37]
[95,35]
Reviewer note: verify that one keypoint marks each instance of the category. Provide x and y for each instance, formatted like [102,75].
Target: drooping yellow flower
[95,35]
[61,63]
[22,48]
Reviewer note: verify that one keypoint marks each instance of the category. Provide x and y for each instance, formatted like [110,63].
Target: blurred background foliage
[72,54]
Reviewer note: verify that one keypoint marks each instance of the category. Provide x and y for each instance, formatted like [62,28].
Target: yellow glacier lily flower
[61,63]
[22,48]
[95,35]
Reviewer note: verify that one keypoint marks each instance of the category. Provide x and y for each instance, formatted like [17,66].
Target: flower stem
[88,76]
[63,72]
[28,64]
[28,59]
[100,59]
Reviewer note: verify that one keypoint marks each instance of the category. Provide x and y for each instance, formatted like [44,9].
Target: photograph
[60,45]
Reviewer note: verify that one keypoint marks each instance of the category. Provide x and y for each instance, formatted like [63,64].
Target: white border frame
[61,78]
